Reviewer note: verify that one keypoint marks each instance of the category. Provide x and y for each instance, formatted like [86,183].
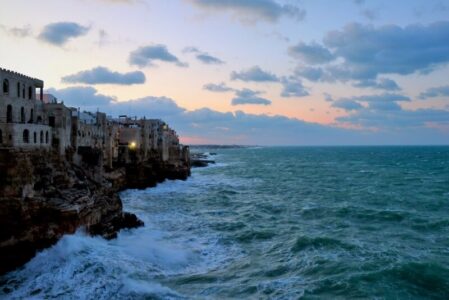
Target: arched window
[9,114]
[18,89]
[6,87]
[42,137]
[26,136]
[35,137]
[30,92]
[23,91]
[22,115]
[39,120]
[31,116]
[46,137]
[1,137]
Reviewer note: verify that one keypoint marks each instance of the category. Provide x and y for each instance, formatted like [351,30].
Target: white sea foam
[172,242]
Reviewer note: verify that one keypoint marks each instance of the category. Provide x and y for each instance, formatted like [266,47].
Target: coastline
[45,197]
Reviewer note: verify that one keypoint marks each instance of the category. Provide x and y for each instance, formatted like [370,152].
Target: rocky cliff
[44,196]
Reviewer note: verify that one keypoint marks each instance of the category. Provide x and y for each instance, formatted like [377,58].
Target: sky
[256,72]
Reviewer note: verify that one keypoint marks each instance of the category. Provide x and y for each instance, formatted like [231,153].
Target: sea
[268,223]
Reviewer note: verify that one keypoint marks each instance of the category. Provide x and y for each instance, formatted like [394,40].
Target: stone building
[22,117]
[30,120]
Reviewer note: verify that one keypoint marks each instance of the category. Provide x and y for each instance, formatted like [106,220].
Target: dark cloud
[102,75]
[247,96]
[82,96]
[441,91]
[312,53]
[363,53]
[252,10]
[254,74]
[347,104]
[144,56]
[381,84]
[60,33]
[218,88]
[370,51]
[292,87]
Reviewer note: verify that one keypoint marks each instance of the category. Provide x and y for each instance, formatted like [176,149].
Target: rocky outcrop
[200,160]
[44,196]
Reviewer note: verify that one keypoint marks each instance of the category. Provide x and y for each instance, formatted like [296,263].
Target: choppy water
[281,223]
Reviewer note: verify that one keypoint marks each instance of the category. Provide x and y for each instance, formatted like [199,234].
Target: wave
[304,242]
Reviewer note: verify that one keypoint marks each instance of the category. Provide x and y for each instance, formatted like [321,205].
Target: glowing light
[132,145]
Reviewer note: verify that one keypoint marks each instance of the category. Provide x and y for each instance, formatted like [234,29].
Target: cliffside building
[30,119]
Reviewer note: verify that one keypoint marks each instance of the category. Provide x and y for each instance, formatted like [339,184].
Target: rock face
[44,196]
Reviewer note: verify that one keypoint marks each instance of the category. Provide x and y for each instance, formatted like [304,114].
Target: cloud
[81,96]
[208,59]
[312,53]
[384,106]
[370,51]
[381,84]
[292,87]
[102,75]
[60,33]
[347,104]
[386,97]
[254,74]
[441,91]
[203,56]
[238,127]
[312,74]
[247,96]
[19,32]
[144,56]
[251,11]
[397,118]
[218,88]
[386,101]
[370,14]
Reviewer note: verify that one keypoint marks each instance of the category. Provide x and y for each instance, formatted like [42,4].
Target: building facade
[30,119]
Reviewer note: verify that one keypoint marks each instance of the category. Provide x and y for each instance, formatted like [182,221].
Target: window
[46,137]
[26,136]
[35,137]
[6,87]
[22,115]
[30,92]
[41,140]
[9,114]
[18,89]
[51,121]
[23,91]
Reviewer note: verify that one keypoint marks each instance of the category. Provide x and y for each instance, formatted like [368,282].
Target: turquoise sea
[269,223]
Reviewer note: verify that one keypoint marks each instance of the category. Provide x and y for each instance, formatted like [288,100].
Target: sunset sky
[267,72]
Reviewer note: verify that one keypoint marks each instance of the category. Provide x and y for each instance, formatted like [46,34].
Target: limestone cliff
[44,196]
